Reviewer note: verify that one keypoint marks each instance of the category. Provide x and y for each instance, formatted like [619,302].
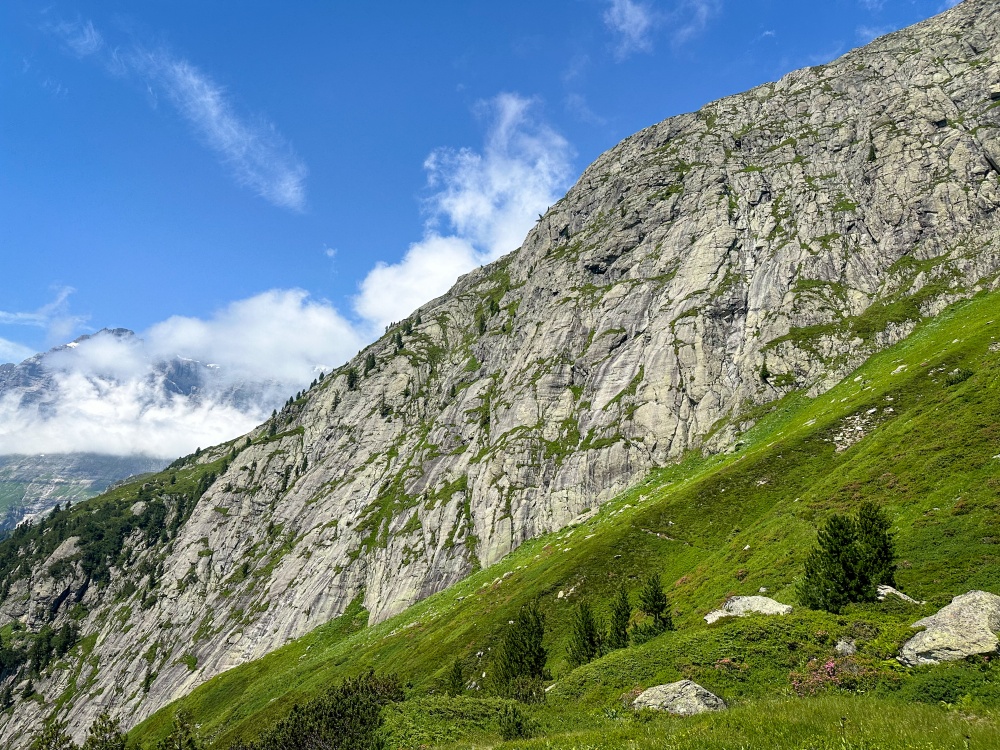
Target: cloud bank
[253,150]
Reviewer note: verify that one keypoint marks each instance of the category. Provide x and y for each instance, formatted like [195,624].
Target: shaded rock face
[705,265]
[684,698]
[966,627]
[741,606]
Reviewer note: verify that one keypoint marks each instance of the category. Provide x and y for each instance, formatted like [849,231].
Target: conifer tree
[834,575]
[456,679]
[585,636]
[369,363]
[52,737]
[653,602]
[878,549]
[621,614]
[851,558]
[105,734]
[519,658]
[182,734]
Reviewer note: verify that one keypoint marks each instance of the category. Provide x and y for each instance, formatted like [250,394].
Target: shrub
[105,734]
[183,735]
[957,376]
[348,715]
[455,680]
[52,737]
[513,723]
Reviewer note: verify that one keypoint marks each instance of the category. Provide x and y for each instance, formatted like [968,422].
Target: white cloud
[256,154]
[110,394]
[111,397]
[429,268]
[130,418]
[482,206]
[631,22]
[281,335]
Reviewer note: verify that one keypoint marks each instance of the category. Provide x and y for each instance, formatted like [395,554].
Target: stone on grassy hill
[966,627]
[884,592]
[684,698]
[741,606]
[846,647]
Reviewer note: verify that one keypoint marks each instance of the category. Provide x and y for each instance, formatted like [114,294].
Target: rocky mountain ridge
[705,266]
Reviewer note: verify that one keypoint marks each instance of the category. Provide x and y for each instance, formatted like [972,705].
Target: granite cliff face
[707,265]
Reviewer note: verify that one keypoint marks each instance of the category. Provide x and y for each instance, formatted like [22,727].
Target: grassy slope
[712,527]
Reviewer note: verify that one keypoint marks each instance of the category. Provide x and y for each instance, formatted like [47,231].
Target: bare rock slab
[741,606]
[684,698]
[884,592]
[966,627]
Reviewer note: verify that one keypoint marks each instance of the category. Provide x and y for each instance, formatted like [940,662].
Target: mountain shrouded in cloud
[185,382]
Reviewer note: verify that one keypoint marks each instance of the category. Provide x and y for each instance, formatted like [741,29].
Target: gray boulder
[966,627]
[684,698]
[846,647]
[741,606]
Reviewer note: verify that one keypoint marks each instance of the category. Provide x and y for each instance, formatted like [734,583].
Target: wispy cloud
[870,33]
[482,205]
[54,317]
[256,154]
[80,37]
[631,23]
[576,104]
[691,17]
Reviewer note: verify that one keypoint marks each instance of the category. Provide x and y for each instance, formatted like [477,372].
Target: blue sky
[205,171]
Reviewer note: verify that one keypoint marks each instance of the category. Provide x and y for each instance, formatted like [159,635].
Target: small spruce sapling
[654,603]
[621,614]
[455,680]
[585,636]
